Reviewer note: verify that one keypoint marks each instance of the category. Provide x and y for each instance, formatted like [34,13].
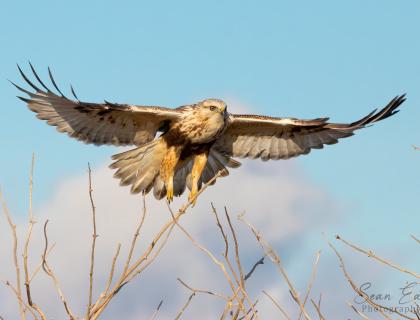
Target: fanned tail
[140,167]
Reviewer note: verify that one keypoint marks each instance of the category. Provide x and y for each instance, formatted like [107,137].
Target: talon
[170,194]
[193,197]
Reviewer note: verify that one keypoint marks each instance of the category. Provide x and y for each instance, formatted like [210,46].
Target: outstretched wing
[107,123]
[282,138]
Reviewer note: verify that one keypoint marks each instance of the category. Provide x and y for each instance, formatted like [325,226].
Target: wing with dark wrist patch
[107,123]
[251,136]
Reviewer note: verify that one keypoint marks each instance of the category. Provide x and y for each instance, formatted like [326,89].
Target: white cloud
[277,197]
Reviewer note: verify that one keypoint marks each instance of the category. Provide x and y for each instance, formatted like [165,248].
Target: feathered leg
[200,162]
[167,170]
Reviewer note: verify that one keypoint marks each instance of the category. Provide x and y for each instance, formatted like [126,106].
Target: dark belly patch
[194,149]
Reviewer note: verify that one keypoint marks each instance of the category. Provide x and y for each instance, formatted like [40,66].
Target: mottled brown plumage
[196,142]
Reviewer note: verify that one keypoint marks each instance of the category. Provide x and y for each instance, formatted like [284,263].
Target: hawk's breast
[204,129]
[196,129]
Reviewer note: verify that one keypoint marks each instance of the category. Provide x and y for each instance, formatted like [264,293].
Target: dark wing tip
[27,79]
[20,88]
[74,93]
[38,78]
[26,100]
[54,83]
[389,110]
[39,91]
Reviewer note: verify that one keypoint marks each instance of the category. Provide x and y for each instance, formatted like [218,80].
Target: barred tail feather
[140,167]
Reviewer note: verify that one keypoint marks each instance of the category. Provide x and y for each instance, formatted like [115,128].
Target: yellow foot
[193,197]
[170,194]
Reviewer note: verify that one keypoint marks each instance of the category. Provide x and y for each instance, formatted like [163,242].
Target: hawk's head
[214,109]
[213,105]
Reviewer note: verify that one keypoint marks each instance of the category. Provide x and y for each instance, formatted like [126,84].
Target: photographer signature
[409,293]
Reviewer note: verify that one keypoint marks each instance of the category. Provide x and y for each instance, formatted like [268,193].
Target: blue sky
[287,58]
[302,59]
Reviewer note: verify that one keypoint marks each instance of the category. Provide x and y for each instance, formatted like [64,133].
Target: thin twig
[94,236]
[51,274]
[241,283]
[235,240]
[38,268]
[311,280]
[249,311]
[269,251]
[112,271]
[319,301]
[110,277]
[195,290]
[153,316]
[222,231]
[318,310]
[361,314]
[31,223]
[254,267]
[19,298]
[282,311]
[185,306]
[370,254]
[415,239]
[15,257]
[28,235]
[135,236]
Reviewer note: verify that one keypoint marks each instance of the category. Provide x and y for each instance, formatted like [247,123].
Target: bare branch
[15,257]
[269,251]
[153,317]
[361,314]
[38,268]
[28,236]
[19,297]
[249,311]
[235,240]
[94,236]
[318,310]
[195,290]
[282,311]
[185,306]
[222,231]
[239,280]
[50,273]
[31,223]
[254,267]
[415,239]
[135,236]
[311,280]
[110,277]
[370,254]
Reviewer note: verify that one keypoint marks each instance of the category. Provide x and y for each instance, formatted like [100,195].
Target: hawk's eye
[213,108]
